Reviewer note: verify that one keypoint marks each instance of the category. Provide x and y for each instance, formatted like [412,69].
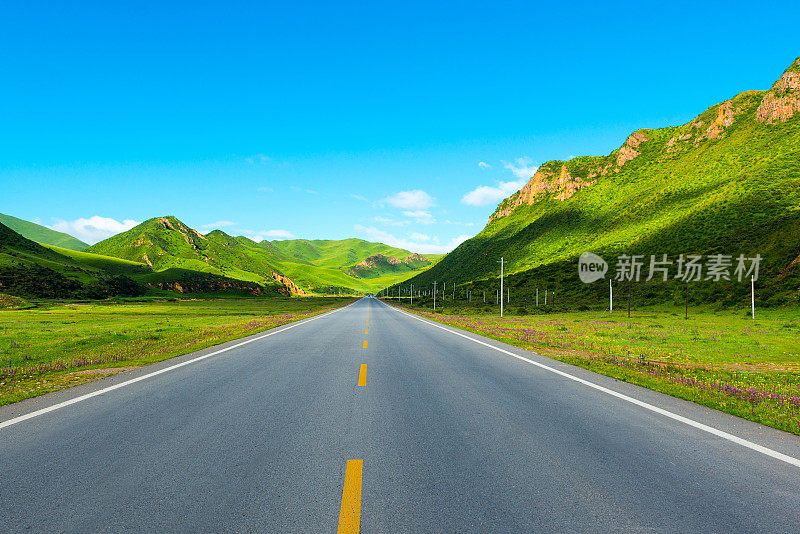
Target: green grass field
[721,359]
[59,344]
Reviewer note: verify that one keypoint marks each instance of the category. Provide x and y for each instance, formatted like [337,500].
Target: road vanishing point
[370,419]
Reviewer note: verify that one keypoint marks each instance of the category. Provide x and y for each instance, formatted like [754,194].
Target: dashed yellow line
[350,511]
[366,331]
[365,343]
[362,375]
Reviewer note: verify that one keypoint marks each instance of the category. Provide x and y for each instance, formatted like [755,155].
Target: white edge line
[711,430]
[82,398]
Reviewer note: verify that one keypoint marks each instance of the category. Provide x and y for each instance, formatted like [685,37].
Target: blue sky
[401,122]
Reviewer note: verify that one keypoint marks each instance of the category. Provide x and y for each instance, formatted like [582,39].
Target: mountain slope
[337,254]
[165,243]
[728,183]
[379,265]
[33,270]
[41,234]
[328,266]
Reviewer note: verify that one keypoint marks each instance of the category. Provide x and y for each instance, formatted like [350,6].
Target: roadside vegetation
[50,345]
[719,358]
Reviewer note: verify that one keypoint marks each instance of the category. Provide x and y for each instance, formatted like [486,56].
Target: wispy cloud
[219,224]
[389,222]
[258,158]
[265,189]
[521,167]
[414,245]
[484,194]
[420,216]
[94,229]
[411,200]
[269,234]
[416,236]
[359,197]
[302,190]
[484,165]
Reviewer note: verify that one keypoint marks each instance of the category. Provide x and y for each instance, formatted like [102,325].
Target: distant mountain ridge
[380,264]
[42,234]
[299,266]
[727,182]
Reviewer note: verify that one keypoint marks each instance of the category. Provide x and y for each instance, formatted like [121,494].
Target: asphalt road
[453,436]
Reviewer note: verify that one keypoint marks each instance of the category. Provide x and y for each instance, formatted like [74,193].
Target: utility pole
[545,296]
[753,296]
[484,296]
[412,294]
[610,297]
[537,297]
[502,263]
[434,296]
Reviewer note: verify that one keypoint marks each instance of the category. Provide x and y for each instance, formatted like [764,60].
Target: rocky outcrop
[628,150]
[189,234]
[782,101]
[698,132]
[725,114]
[546,182]
[289,287]
[415,258]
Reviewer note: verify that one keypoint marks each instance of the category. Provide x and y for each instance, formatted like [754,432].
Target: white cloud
[219,224]
[484,194]
[278,234]
[93,229]
[258,158]
[416,236]
[389,222]
[420,216]
[359,197]
[411,200]
[484,165]
[268,234]
[409,244]
[521,167]
[265,190]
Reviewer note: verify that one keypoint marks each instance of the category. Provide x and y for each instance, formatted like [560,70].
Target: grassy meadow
[719,358]
[50,345]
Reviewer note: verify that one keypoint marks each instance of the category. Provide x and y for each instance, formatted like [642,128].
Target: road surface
[369,418]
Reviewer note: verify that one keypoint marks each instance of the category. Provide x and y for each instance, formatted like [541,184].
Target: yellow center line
[365,343]
[350,512]
[362,375]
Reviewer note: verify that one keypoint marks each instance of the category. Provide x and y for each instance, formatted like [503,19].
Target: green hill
[328,266]
[727,182]
[338,254]
[41,234]
[380,265]
[33,270]
[167,245]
